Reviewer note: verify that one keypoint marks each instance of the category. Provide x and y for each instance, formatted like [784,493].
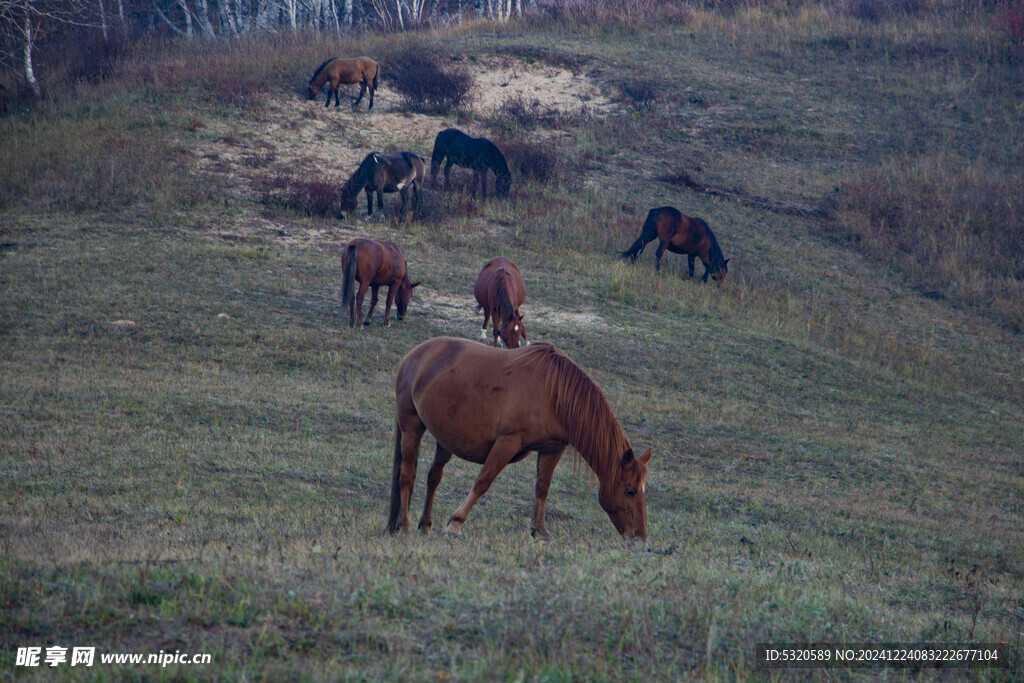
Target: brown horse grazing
[335,71]
[500,291]
[373,264]
[382,173]
[479,154]
[494,407]
[681,234]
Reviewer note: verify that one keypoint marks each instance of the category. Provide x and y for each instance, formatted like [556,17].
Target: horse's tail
[376,74]
[439,153]
[647,234]
[348,275]
[396,481]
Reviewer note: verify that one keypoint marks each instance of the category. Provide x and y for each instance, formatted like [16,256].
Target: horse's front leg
[690,258]
[483,330]
[374,293]
[392,290]
[441,458]
[403,193]
[337,94]
[369,202]
[546,463]
[327,102]
[500,455]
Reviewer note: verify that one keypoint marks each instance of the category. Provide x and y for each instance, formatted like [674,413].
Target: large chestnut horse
[681,234]
[494,407]
[373,264]
[382,173]
[335,71]
[500,291]
[479,154]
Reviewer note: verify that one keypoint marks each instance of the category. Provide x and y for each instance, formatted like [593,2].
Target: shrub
[953,226]
[1013,20]
[427,84]
[640,93]
[311,196]
[516,113]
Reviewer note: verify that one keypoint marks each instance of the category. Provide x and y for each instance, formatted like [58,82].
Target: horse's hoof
[453,527]
[541,534]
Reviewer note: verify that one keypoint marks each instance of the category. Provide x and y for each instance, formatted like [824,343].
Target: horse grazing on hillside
[500,291]
[478,154]
[382,173]
[373,264]
[335,71]
[494,407]
[681,234]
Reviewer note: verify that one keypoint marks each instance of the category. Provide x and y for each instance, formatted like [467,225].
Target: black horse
[479,154]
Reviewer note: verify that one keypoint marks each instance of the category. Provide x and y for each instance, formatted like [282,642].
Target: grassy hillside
[196,449]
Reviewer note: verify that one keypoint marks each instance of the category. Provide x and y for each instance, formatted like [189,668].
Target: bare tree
[23,22]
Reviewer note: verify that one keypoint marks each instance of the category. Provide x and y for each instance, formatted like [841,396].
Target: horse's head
[312,91]
[512,329]
[404,296]
[502,185]
[718,274]
[625,498]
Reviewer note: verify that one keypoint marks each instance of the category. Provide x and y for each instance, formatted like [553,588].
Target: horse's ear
[415,285]
[726,262]
[627,457]
[645,458]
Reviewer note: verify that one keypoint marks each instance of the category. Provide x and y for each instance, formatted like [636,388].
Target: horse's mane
[583,411]
[321,68]
[716,256]
[495,159]
[358,179]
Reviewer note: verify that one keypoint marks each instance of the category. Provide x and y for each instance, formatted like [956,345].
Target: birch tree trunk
[103,21]
[401,22]
[30,74]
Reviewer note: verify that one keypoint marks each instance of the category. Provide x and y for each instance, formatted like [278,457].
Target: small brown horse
[382,173]
[335,71]
[681,234]
[479,154]
[494,407]
[500,291]
[374,264]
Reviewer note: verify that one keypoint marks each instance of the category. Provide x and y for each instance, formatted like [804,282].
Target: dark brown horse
[335,71]
[500,291]
[494,407]
[479,154]
[382,173]
[681,234]
[373,264]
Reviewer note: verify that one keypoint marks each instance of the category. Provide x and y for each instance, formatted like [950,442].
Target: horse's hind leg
[546,463]
[362,91]
[658,254]
[441,458]
[690,258]
[447,170]
[411,430]
[374,294]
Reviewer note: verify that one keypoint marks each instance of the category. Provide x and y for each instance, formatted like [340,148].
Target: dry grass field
[195,449]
